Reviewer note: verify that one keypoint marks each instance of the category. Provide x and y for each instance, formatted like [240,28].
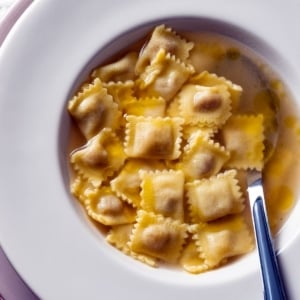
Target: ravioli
[164,77]
[157,236]
[99,158]
[191,261]
[119,236]
[94,109]
[216,197]
[166,151]
[210,106]
[163,38]
[163,193]
[202,157]
[222,239]
[120,70]
[108,209]
[121,92]
[209,79]
[127,184]
[243,136]
[153,138]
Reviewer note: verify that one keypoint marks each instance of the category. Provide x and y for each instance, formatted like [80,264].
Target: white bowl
[42,229]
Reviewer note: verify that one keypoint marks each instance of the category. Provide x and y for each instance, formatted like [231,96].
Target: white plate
[42,230]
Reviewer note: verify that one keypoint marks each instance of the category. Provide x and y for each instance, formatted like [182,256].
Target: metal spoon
[273,283]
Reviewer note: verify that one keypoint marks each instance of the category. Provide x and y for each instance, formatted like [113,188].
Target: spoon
[273,282]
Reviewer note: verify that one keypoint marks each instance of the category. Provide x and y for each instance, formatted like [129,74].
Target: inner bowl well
[241,267]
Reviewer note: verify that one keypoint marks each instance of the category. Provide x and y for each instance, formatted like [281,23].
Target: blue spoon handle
[273,283]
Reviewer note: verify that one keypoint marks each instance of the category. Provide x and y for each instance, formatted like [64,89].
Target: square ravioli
[106,207]
[210,79]
[202,157]
[99,158]
[157,236]
[216,197]
[127,184]
[219,240]
[163,38]
[120,70]
[206,106]
[153,138]
[119,235]
[122,92]
[164,77]
[243,137]
[190,259]
[162,193]
[94,109]
[80,188]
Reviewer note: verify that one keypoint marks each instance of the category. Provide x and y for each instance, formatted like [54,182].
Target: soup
[165,136]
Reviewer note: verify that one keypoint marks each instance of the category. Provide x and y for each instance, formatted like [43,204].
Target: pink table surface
[12,287]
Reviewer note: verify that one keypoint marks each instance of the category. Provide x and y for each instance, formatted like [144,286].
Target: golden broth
[263,93]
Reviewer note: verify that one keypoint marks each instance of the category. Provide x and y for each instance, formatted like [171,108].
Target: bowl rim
[31,20]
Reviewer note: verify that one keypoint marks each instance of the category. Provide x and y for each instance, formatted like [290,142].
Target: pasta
[94,109]
[157,236]
[163,38]
[99,158]
[243,136]
[166,153]
[157,138]
[162,193]
[164,76]
[127,184]
[121,91]
[120,70]
[205,201]
[209,79]
[119,237]
[224,238]
[105,207]
[202,158]
[203,105]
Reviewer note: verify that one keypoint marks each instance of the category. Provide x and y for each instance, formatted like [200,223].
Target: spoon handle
[273,283]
